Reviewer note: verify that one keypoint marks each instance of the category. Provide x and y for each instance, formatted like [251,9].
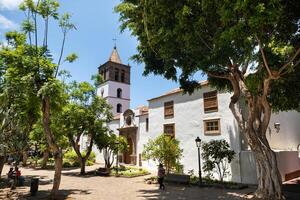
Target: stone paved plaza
[115,188]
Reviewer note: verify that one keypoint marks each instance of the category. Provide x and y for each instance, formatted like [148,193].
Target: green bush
[71,156]
[217,156]
[130,171]
[66,164]
[71,159]
[165,150]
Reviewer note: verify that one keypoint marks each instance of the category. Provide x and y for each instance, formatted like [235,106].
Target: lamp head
[277,126]
[198,142]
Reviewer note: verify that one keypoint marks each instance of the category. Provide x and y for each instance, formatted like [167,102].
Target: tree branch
[264,57]
[218,75]
[234,99]
[289,62]
[61,52]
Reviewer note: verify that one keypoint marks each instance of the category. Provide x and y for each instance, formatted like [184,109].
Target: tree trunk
[82,166]
[58,159]
[52,145]
[268,175]
[24,160]
[253,120]
[45,158]
[2,161]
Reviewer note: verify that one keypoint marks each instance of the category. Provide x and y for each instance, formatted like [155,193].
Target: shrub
[71,156]
[71,159]
[67,164]
[130,171]
[217,155]
[164,149]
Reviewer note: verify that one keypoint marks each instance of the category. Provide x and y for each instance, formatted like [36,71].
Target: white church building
[203,114]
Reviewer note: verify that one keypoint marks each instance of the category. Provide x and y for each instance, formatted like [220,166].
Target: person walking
[161,174]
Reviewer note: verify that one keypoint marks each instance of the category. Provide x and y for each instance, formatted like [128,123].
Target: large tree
[33,60]
[248,47]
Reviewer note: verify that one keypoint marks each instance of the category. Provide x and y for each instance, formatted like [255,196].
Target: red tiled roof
[143,110]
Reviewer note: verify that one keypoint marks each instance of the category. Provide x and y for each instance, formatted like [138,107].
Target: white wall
[288,138]
[113,86]
[188,118]
[115,101]
[110,92]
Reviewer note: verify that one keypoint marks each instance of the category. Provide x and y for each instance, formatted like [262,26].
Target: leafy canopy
[179,38]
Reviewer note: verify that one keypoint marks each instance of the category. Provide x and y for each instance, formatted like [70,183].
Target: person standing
[161,174]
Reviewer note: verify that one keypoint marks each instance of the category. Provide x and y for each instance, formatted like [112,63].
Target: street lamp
[277,127]
[117,169]
[198,144]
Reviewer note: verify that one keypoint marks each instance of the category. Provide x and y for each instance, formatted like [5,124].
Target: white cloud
[6,23]
[10,4]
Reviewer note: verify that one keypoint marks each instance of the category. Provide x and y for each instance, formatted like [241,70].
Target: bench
[178,178]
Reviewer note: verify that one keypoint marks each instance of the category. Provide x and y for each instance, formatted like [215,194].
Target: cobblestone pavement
[115,188]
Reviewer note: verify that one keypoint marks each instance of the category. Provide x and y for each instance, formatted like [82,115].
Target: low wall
[288,161]
[248,167]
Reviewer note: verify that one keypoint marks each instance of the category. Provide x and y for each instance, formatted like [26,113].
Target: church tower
[116,86]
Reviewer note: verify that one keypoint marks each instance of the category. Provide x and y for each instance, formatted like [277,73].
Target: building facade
[203,114]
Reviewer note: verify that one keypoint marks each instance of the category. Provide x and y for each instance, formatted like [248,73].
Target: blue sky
[97,25]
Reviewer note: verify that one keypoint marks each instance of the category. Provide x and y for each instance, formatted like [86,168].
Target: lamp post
[117,169]
[198,144]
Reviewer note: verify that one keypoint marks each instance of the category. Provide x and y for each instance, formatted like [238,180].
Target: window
[116,74]
[147,124]
[169,109]
[210,101]
[169,129]
[119,108]
[102,92]
[212,127]
[123,76]
[119,93]
[104,74]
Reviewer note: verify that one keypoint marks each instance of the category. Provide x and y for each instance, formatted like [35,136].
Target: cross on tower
[115,41]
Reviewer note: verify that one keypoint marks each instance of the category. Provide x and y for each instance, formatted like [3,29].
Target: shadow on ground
[177,192]
[41,195]
[77,174]
[63,194]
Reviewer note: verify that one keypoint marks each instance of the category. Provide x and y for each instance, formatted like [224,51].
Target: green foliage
[164,149]
[71,58]
[217,155]
[179,38]
[109,144]
[129,172]
[71,159]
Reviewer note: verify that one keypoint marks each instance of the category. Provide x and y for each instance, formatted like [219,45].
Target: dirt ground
[92,187]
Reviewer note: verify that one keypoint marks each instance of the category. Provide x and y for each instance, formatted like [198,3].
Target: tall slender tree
[251,48]
[32,58]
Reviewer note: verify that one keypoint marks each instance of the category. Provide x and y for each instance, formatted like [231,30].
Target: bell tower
[116,86]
